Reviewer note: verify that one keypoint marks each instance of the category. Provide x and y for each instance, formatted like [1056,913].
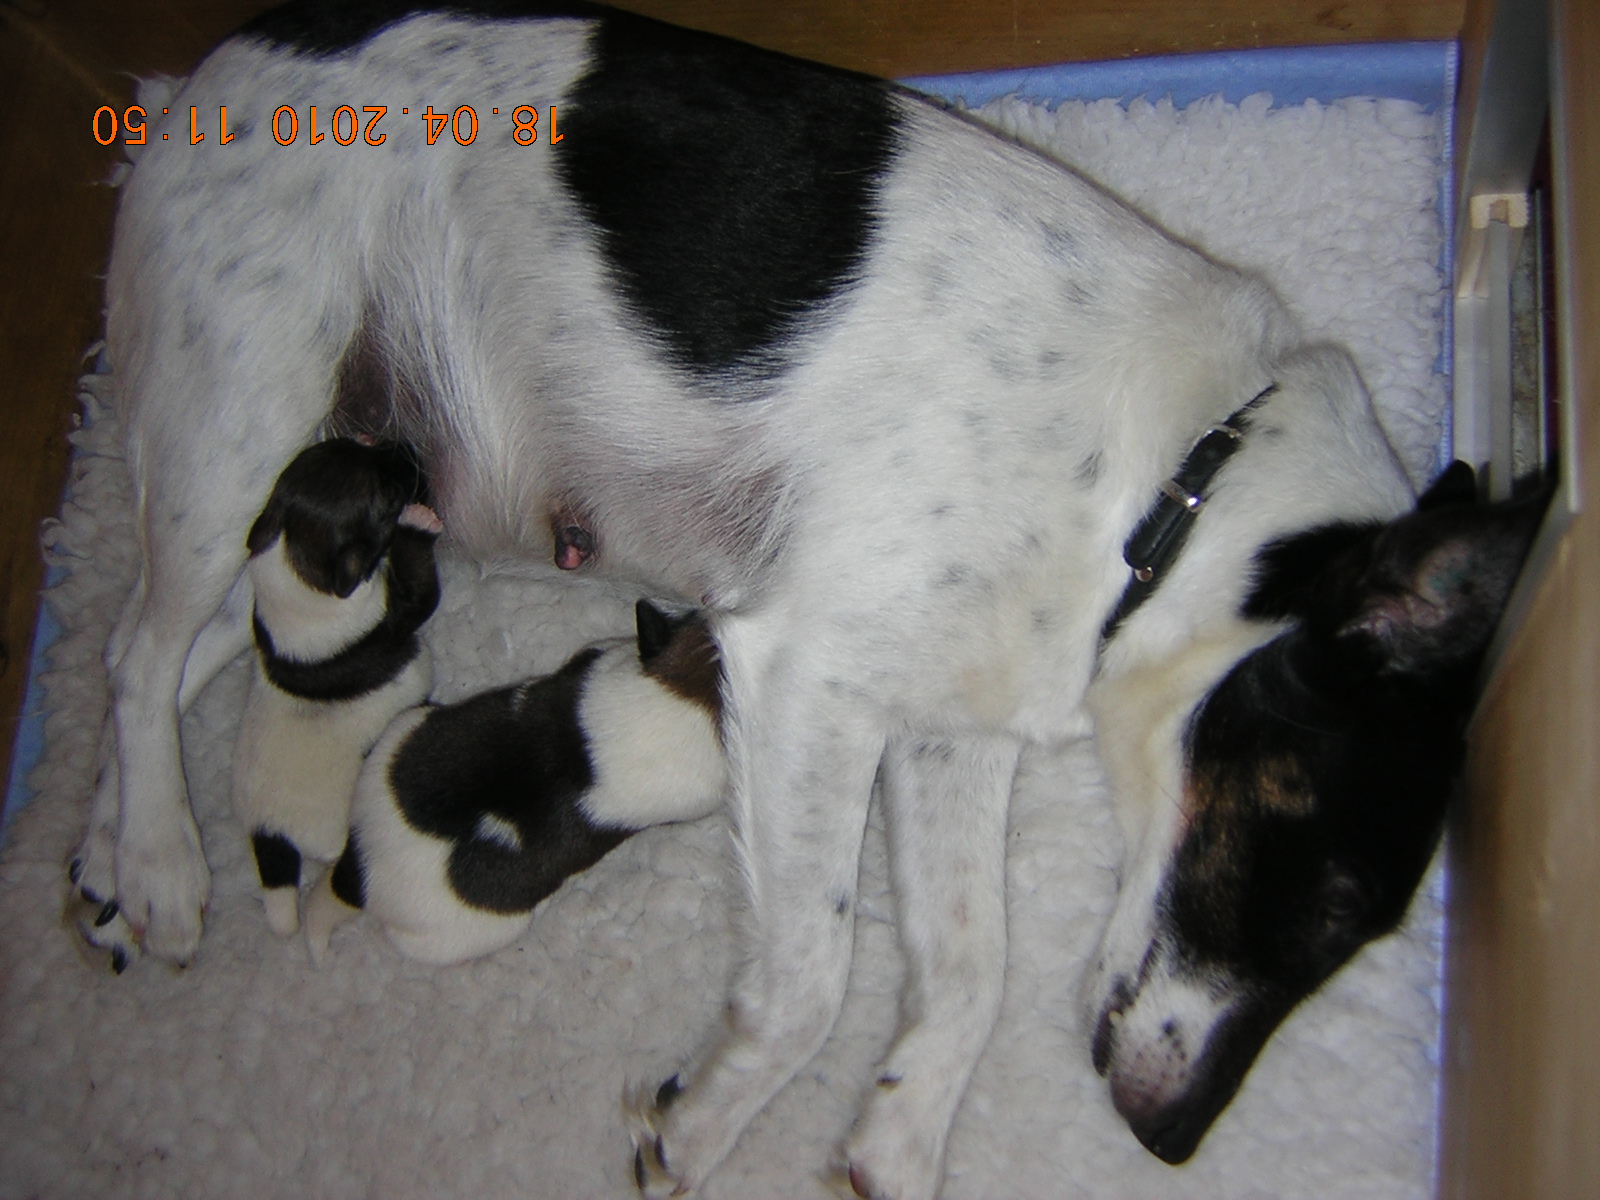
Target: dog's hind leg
[222,380]
[803,760]
[946,805]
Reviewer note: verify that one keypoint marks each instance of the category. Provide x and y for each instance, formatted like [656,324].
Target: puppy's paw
[643,1111]
[163,885]
[92,907]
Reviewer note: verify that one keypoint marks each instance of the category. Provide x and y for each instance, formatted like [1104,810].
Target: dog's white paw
[893,1154]
[163,885]
[92,907]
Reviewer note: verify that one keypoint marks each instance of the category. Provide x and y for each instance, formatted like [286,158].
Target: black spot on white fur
[733,188]
[516,754]
[277,859]
[348,878]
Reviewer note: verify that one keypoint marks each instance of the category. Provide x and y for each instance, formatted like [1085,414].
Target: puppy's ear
[1456,484]
[352,564]
[655,629]
[265,529]
[1431,597]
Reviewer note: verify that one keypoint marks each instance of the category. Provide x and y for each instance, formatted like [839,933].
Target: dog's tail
[327,907]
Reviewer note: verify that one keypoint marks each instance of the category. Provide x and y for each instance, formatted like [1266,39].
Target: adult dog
[886,396]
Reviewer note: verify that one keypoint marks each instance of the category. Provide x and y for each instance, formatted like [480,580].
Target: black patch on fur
[349,874]
[516,754]
[326,27]
[734,188]
[386,649]
[277,859]
[349,878]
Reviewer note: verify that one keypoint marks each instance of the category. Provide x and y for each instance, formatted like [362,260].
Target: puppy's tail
[325,912]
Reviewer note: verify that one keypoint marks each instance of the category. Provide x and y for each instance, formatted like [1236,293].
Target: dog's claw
[107,912]
[75,871]
[119,959]
[669,1091]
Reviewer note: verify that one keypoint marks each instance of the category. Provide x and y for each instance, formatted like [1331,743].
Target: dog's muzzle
[1174,1055]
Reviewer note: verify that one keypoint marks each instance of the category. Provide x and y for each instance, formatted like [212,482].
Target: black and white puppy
[341,564]
[468,814]
[957,453]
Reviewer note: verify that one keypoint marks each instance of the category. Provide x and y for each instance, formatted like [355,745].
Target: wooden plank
[1522,1069]
[893,38]
[897,38]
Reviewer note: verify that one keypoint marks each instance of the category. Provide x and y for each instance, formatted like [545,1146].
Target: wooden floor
[61,59]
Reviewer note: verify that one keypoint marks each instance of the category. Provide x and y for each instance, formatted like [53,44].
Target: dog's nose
[1171,1132]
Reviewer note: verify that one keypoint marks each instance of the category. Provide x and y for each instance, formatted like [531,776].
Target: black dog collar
[1158,538]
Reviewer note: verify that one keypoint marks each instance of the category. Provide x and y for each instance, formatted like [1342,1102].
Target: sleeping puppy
[341,563]
[467,815]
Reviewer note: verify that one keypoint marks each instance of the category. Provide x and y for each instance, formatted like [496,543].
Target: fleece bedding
[253,1074]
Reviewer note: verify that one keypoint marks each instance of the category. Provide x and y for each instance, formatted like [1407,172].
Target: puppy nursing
[341,561]
[467,815]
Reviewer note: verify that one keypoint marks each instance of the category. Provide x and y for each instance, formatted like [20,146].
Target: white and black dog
[337,652]
[891,399]
[467,815]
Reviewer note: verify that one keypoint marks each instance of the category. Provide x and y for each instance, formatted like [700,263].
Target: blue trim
[28,746]
[1419,71]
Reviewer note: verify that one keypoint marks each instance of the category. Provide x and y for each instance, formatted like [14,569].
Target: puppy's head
[336,507]
[1306,797]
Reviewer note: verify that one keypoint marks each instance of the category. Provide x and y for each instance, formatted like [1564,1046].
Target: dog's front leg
[803,766]
[946,803]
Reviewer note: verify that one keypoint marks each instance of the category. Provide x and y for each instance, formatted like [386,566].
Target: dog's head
[1291,806]
[337,506]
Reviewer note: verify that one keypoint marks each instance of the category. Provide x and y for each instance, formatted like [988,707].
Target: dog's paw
[644,1111]
[92,907]
[163,885]
[894,1153]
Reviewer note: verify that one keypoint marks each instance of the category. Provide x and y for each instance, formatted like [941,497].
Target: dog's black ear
[1432,594]
[1293,575]
[1456,484]
[655,629]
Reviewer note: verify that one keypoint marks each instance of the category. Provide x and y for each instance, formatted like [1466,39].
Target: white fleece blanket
[255,1075]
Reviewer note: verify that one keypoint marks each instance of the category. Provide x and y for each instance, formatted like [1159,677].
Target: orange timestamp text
[345,125]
